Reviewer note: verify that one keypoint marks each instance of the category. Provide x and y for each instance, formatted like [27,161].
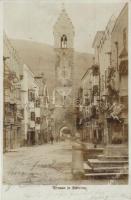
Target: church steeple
[63,30]
[64,54]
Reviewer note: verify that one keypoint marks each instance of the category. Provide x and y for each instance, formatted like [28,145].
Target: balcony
[86,102]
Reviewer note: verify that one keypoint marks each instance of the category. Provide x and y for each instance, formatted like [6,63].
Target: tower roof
[63,20]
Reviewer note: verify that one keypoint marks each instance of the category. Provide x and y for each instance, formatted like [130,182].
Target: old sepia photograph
[65,93]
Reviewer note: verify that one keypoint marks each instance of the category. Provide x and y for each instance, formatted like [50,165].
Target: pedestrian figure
[51,139]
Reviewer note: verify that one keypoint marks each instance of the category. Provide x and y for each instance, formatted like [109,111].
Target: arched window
[64,41]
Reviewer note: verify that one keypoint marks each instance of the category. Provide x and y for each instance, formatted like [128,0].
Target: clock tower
[63,31]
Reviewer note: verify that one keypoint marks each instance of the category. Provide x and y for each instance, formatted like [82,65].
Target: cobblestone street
[44,164]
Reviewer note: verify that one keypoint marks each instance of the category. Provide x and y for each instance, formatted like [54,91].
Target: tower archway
[65,131]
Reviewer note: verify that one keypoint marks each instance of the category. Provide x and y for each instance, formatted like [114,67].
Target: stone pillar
[106,135]
[77,161]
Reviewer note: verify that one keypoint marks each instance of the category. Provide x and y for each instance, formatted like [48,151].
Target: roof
[100,35]
[63,17]
[86,73]
[121,12]
[97,38]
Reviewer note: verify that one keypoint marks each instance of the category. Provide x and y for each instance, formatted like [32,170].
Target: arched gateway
[65,131]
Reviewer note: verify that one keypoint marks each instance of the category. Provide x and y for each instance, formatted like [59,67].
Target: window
[124,100]
[96,90]
[13,107]
[87,101]
[31,95]
[6,108]
[21,77]
[80,92]
[37,120]
[22,112]
[37,103]
[95,69]
[64,41]
[32,116]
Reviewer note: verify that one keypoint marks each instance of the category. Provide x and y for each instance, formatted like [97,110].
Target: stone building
[118,80]
[31,104]
[102,49]
[63,31]
[111,56]
[109,84]
[85,105]
[13,111]
[45,114]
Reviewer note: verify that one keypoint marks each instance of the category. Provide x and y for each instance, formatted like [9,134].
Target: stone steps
[117,150]
[92,152]
[107,163]
[106,175]
[94,168]
[104,169]
[103,157]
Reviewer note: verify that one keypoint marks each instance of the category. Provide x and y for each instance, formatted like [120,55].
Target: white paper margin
[41,192]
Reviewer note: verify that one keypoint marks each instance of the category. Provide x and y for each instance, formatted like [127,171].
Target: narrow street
[44,164]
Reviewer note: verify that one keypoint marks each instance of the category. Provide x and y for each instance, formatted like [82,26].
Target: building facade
[85,105]
[118,80]
[13,111]
[45,110]
[31,104]
[102,49]
[107,81]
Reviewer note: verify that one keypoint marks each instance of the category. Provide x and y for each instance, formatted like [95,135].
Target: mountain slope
[41,58]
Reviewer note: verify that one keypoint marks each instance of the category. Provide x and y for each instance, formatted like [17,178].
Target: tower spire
[63,6]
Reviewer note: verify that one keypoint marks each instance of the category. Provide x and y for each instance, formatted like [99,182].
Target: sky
[34,19]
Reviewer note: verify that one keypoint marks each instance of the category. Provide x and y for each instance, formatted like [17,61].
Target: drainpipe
[4,63]
[116,43]
[99,75]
